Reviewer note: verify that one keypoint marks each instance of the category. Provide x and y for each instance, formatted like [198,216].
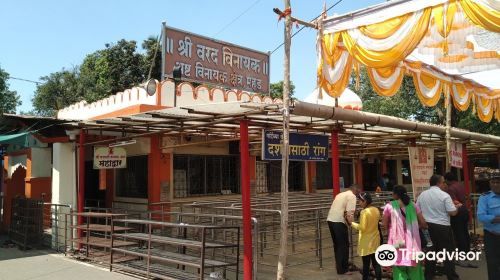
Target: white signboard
[422,168]
[110,157]
[456,155]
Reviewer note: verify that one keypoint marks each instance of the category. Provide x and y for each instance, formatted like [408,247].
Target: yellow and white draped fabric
[387,43]
[386,49]
[335,66]
[484,13]
[386,81]
[460,95]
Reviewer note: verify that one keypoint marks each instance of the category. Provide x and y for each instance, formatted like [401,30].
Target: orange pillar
[359,172]
[154,163]
[27,180]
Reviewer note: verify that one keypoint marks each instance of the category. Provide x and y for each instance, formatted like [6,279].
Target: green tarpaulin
[20,139]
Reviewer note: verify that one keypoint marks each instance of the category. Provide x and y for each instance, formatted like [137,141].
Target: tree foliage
[9,99]
[277,89]
[405,104]
[102,73]
[58,90]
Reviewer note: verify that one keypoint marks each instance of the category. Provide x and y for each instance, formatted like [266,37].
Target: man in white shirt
[340,215]
[437,207]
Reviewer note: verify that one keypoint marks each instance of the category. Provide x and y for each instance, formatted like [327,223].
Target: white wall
[63,175]
[41,162]
[14,163]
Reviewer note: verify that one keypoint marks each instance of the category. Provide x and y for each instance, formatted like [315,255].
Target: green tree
[150,46]
[277,90]
[102,73]
[9,99]
[57,91]
[113,69]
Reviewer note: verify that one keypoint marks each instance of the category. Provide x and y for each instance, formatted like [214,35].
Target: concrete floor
[45,265]
[40,264]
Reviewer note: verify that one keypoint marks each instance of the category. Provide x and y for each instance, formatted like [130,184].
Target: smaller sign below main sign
[110,157]
[303,147]
[456,155]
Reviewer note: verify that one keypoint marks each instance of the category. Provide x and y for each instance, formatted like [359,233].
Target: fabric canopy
[445,31]
[20,139]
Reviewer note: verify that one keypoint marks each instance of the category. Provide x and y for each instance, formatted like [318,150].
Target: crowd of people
[437,221]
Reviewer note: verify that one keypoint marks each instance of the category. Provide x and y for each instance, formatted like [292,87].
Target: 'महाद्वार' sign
[110,157]
[422,168]
[206,60]
[303,147]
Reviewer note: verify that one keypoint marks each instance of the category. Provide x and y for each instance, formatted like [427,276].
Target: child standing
[369,236]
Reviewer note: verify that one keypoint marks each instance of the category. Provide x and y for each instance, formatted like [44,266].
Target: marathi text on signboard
[303,147]
[422,168]
[205,60]
[456,155]
[110,157]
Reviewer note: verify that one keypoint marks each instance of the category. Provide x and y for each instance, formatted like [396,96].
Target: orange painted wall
[38,187]
[131,110]
[252,164]
[12,188]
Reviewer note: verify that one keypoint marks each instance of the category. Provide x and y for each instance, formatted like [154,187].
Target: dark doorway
[370,174]
[93,196]
[296,176]
[324,174]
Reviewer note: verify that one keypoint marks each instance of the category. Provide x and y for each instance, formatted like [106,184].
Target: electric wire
[295,33]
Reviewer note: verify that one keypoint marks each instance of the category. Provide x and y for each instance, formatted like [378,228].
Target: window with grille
[132,181]
[196,175]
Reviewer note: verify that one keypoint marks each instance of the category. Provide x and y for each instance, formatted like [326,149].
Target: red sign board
[206,60]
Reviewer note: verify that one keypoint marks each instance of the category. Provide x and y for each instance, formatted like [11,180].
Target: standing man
[437,207]
[460,222]
[488,212]
[340,215]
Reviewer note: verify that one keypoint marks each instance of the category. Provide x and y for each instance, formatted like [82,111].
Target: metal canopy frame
[220,122]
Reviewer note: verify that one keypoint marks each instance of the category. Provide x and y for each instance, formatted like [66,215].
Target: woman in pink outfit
[402,218]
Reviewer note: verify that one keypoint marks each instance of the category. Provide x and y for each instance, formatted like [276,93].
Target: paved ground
[40,265]
[45,265]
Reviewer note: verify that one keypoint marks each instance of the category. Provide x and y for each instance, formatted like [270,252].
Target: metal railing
[54,219]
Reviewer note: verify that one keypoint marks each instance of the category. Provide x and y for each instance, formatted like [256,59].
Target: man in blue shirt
[488,212]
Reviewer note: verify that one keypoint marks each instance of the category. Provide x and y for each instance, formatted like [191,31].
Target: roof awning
[20,139]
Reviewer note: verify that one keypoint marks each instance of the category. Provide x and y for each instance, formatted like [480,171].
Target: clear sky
[38,37]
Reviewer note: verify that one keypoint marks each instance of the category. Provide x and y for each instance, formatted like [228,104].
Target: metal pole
[81,179]
[448,128]
[163,46]
[284,166]
[245,201]
[335,162]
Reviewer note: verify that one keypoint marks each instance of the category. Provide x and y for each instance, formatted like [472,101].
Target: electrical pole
[285,150]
